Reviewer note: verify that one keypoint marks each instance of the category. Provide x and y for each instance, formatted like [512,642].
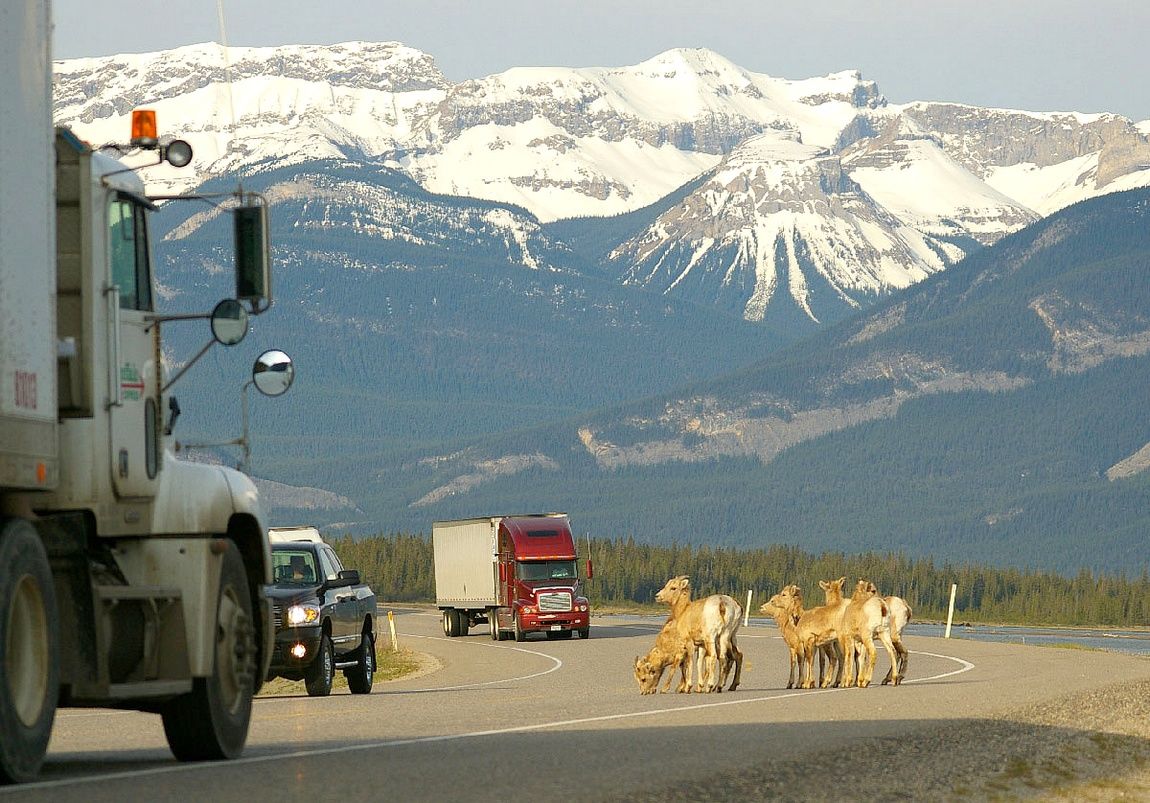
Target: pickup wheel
[211,722]
[361,676]
[319,676]
[29,665]
[520,633]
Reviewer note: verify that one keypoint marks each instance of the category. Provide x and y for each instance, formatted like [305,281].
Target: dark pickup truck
[324,615]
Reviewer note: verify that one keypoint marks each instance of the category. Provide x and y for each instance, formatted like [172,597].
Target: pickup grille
[555,601]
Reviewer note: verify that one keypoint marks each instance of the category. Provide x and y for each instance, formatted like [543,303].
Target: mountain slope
[974,415]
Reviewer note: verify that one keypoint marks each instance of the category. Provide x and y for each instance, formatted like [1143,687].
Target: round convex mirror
[229,322]
[273,372]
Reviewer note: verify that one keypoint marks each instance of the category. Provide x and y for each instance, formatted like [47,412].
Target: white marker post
[394,638]
[747,610]
[950,612]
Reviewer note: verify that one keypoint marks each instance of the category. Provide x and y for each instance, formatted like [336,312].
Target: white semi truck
[128,579]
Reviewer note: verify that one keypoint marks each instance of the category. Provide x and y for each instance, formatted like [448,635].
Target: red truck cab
[539,580]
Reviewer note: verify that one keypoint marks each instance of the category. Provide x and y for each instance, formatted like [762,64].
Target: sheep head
[675,587]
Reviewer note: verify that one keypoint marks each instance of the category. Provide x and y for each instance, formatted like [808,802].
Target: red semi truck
[519,574]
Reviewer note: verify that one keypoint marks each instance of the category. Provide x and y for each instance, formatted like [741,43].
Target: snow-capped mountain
[814,195]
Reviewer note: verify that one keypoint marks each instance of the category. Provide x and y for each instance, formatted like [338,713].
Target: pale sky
[1037,55]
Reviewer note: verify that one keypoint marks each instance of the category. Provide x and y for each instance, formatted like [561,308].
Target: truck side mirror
[590,569]
[273,373]
[229,322]
[253,265]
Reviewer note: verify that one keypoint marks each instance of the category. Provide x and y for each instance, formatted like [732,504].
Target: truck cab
[539,580]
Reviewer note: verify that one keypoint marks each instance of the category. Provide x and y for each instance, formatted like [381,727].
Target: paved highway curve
[560,718]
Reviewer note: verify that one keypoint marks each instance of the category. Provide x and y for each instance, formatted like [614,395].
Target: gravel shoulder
[1089,746]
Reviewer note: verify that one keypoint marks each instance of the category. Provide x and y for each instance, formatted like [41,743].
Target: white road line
[964,666]
[558,665]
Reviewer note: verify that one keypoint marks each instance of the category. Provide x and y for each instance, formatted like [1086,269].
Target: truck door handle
[115,392]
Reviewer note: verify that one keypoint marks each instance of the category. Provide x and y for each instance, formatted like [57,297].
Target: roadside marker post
[394,638]
[950,611]
[747,610]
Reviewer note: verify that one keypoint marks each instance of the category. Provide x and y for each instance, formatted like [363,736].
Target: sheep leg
[867,668]
[893,676]
[884,636]
[738,661]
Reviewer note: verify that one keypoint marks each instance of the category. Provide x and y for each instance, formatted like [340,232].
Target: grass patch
[388,666]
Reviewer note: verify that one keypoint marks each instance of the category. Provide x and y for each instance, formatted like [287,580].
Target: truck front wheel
[520,633]
[29,659]
[321,673]
[362,675]
[211,722]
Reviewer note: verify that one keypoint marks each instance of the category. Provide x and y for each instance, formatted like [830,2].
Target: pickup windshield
[293,566]
[547,570]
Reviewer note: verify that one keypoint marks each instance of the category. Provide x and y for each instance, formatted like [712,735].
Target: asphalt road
[555,718]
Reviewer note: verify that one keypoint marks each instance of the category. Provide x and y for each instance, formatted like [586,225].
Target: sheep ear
[824,585]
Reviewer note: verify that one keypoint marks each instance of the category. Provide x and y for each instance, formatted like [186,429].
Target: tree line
[399,567]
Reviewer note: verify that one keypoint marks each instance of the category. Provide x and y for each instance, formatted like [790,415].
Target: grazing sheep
[711,625]
[670,650]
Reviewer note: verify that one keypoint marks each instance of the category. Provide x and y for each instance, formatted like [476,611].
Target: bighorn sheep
[711,625]
[900,614]
[671,650]
[865,616]
[786,608]
[819,626]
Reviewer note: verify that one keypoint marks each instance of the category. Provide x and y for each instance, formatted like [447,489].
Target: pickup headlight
[302,614]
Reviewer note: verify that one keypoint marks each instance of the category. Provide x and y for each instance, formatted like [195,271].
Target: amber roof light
[144,128]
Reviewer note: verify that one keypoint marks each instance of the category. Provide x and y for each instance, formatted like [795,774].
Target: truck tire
[493,620]
[29,651]
[450,623]
[520,633]
[362,675]
[211,722]
[585,633]
[320,675]
[462,623]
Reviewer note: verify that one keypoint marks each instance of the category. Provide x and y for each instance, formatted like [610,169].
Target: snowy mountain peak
[816,185]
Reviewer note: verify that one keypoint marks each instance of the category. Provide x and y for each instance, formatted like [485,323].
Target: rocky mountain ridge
[936,180]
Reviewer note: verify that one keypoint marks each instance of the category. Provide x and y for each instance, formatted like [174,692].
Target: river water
[1136,642]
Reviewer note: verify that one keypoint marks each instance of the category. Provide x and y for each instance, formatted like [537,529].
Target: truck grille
[278,615]
[555,601]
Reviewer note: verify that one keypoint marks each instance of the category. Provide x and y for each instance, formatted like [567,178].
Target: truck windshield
[546,570]
[293,566]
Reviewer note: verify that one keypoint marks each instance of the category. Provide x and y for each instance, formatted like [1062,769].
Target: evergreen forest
[399,567]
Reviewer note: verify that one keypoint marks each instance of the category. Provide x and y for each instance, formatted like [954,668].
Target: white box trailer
[466,564]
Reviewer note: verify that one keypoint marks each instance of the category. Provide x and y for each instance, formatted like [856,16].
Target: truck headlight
[302,614]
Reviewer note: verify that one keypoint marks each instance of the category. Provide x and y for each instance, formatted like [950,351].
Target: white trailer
[466,563]
[128,578]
